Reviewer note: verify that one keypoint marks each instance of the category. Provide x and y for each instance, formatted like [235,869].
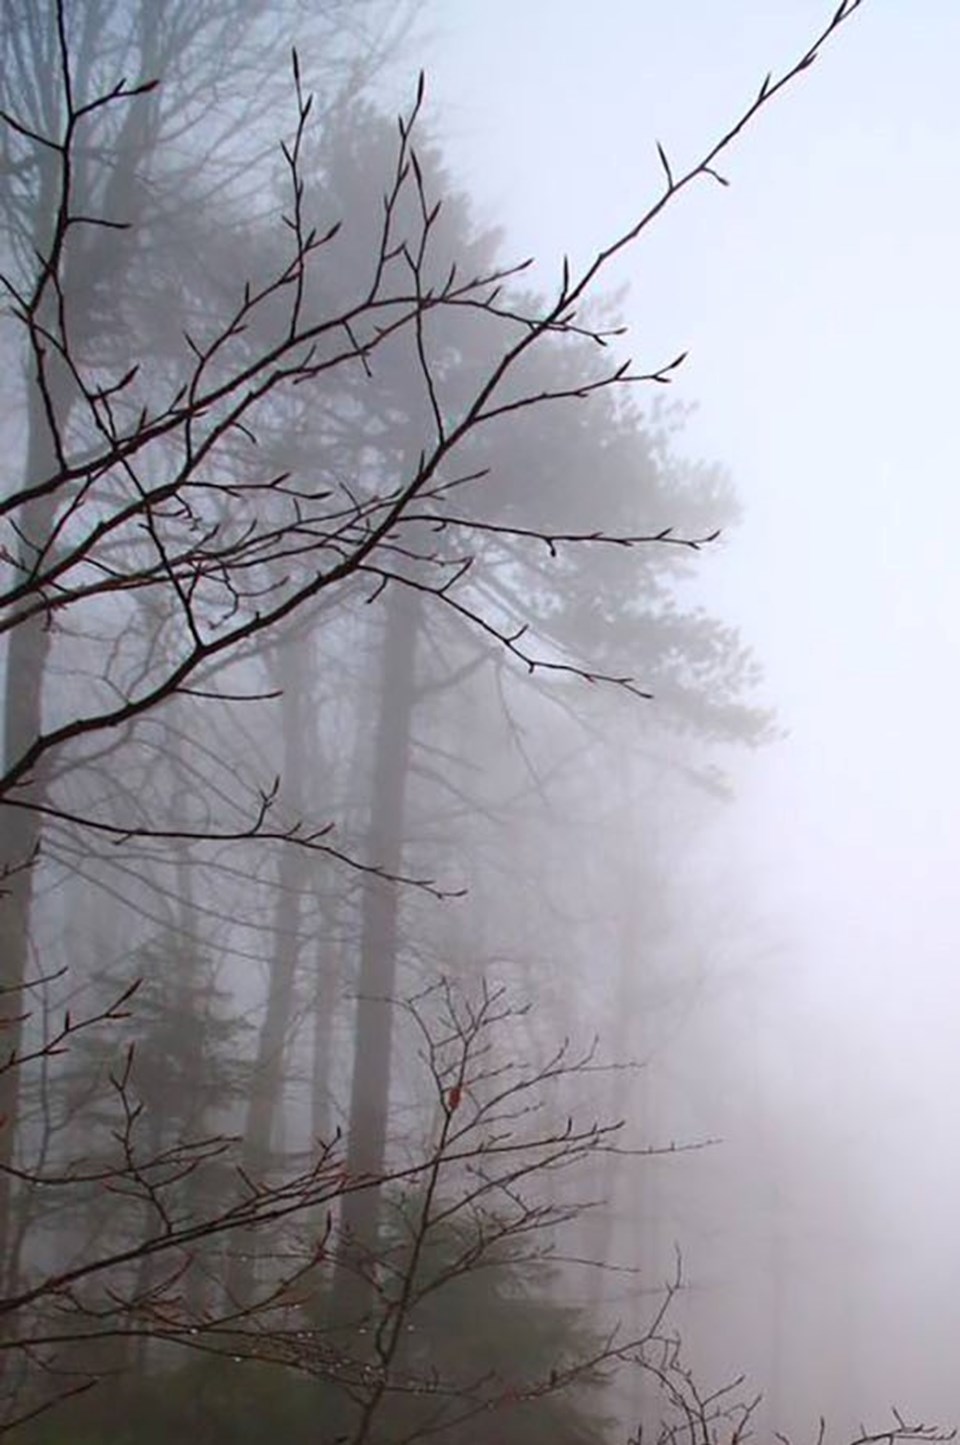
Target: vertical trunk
[266,1098]
[27,652]
[327,980]
[370,1091]
[191,995]
[264,1111]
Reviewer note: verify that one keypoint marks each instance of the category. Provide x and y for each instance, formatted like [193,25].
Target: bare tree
[467,1198]
[481,1195]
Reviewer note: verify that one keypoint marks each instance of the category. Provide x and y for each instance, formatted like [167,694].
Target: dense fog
[477,807]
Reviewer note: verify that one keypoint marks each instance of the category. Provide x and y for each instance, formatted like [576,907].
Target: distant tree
[595,472]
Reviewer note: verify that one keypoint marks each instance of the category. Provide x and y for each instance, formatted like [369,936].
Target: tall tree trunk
[27,652]
[327,980]
[264,1110]
[370,1090]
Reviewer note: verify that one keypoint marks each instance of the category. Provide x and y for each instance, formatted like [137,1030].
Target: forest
[361,720]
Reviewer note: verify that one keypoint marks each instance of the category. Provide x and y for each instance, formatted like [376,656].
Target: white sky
[819,299]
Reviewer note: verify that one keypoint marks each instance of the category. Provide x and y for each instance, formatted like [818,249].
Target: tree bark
[370,1090]
[293,876]
[27,652]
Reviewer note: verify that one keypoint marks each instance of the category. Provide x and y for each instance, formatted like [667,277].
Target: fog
[815,296]
[381,720]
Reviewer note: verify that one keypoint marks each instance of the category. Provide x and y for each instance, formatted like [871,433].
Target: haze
[816,297]
[744,885]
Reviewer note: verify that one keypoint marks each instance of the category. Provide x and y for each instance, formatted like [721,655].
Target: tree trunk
[293,876]
[370,1091]
[27,652]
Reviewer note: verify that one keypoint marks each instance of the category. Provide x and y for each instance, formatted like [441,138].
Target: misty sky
[818,298]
